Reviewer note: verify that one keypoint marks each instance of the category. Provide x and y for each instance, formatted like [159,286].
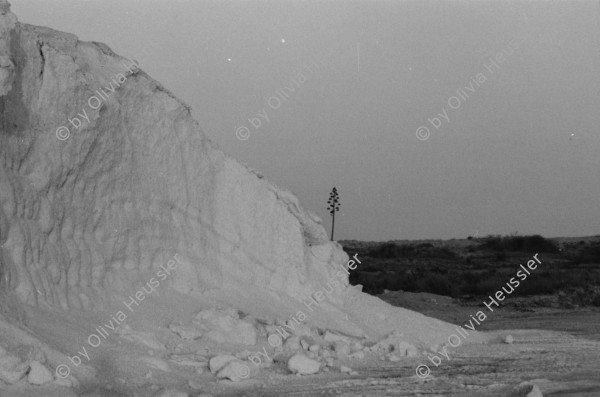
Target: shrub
[538,243]
[538,284]
[589,255]
[443,253]
[392,251]
[579,296]
[596,300]
[438,284]
[483,285]
[501,256]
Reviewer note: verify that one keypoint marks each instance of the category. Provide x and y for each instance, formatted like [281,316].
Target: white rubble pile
[27,362]
[395,345]
[225,326]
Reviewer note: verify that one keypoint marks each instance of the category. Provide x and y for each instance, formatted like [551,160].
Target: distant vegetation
[424,250]
[533,244]
[588,255]
[479,267]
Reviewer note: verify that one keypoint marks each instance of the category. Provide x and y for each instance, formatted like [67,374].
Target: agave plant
[334,206]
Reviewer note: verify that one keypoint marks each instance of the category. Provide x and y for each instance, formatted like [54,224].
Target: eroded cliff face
[104,176]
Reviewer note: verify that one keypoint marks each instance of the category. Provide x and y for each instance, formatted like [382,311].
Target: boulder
[300,364]
[39,374]
[218,362]
[341,348]
[406,349]
[526,389]
[237,370]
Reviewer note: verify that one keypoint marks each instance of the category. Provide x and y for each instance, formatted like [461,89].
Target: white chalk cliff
[89,215]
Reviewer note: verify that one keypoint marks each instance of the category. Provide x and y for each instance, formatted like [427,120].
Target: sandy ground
[557,350]
[561,365]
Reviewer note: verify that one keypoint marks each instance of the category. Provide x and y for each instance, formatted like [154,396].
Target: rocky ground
[553,350]
[556,350]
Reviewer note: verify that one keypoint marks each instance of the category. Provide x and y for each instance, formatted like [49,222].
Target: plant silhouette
[334,206]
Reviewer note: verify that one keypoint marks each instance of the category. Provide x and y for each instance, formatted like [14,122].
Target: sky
[433,119]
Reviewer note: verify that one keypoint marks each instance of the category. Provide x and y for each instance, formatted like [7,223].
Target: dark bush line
[424,250]
[457,283]
[535,243]
[434,269]
[588,255]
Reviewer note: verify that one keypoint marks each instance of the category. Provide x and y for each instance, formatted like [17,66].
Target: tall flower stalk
[334,206]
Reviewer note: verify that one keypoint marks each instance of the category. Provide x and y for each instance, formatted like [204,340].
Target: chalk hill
[97,194]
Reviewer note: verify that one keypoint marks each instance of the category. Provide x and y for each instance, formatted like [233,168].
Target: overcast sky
[512,147]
